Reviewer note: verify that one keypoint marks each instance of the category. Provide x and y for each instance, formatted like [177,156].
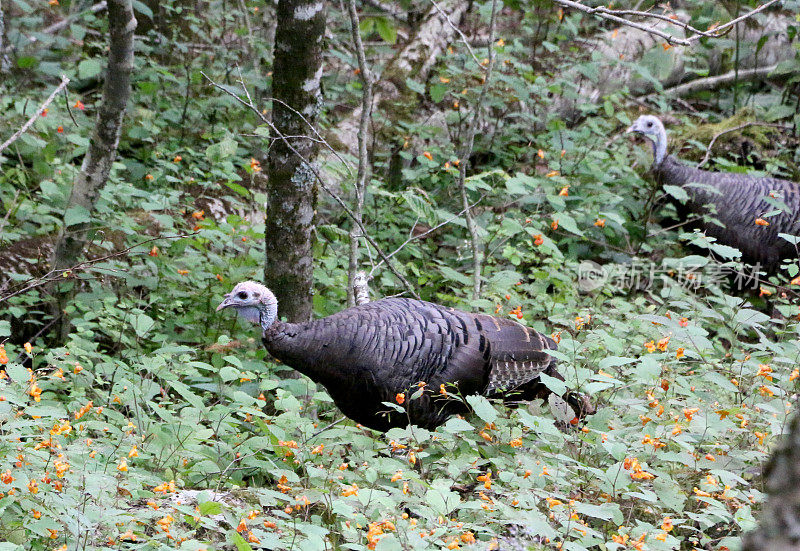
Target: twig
[420,236]
[461,34]
[361,178]
[54,275]
[42,107]
[718,135]
[323,184]
[615,15]
[466,152]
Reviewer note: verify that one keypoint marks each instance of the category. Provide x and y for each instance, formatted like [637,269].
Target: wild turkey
[368,354]
[740,202]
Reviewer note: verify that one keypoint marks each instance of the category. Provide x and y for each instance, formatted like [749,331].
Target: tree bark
[779,526]
[292,190]
[5,62]
[103,145]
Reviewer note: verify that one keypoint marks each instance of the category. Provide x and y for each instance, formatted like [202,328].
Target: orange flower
[760,436]
[689,412]
[650,346]
[60,129]
[122,466]
[79,105]
[177,159]
[44,112]
[683,322]
[198,214]
[795,373]
[537,239]
[153,251]
[761,222]
[397,476]
[765,371]
[564,191]
[134,452]
[350,491]
[552,173]
[427,155]
[679,353]
[600,222]
[662,344]
[148,177]
[667,524]
[540,153]
[400,398]
[6,477]
[255,165]
[554,224]
[28,347]
[515,443]
[442,390]
[33,486]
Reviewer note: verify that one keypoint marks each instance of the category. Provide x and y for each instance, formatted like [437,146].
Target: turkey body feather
[736,201]
[368,354]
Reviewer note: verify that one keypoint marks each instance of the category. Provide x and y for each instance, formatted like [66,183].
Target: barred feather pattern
[739,200]
[367,354]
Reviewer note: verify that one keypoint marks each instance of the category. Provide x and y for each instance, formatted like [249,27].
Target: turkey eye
[242,295]
[650,123]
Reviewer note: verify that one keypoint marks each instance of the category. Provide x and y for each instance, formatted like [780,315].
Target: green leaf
[438,92]
[677,192]
[229,373]
[239,541]
[557,386]
[386,29]
[209,508]
[89,68]
[188,395]
[482,408]
[5,328]
[17,373]
[76,214]
[415,86]
[142,324]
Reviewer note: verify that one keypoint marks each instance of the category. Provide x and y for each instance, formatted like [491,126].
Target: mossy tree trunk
[102,150]
[779,522]
[292,190]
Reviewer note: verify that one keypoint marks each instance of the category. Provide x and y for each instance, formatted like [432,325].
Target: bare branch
[461,34]
[466,152]
[363,161]
[323,184]
[616,16]
[59,274]
[361,287]
[36,115]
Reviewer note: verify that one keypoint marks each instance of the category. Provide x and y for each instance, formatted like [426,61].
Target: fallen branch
[710,83]
[323,184]
[42,107]
[718,135]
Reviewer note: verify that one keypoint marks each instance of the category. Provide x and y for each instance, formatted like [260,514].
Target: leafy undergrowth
[209,448]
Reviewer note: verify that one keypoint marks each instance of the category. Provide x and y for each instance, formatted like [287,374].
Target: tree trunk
[779,526]
[103,145]
[5,62]
[292,190]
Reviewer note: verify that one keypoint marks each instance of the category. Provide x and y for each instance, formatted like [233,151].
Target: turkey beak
[225,303]
[630,129]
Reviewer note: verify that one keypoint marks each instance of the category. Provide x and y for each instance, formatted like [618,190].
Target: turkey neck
[298,346]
